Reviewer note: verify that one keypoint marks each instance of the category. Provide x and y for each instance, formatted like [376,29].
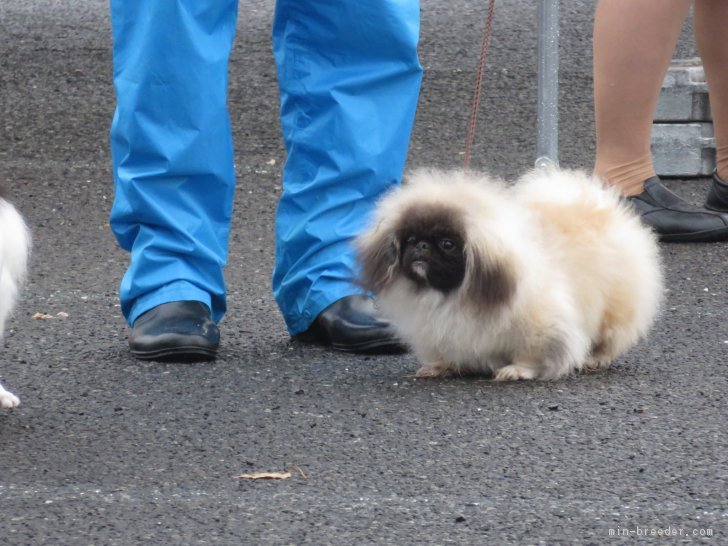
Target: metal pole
[547,149]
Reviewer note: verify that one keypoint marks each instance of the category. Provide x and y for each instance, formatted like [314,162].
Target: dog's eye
[411,240]
[447,244]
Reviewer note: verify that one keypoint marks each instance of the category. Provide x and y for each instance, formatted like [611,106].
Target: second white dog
[14,248]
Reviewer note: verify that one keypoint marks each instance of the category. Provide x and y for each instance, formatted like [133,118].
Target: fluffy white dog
[14,249]
[533,281]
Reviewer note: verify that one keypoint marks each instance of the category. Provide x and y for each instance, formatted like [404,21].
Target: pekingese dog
[531,281]
[14,249]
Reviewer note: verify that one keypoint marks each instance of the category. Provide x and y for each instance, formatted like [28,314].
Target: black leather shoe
[717,199]
[179,331]
[675,220]
[353,325]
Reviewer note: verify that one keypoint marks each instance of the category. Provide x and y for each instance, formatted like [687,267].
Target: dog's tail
[14,251]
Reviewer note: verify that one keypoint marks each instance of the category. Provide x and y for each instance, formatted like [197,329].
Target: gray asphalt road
[106,450]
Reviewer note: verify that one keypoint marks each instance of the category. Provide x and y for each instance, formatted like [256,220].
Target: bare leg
[711,24]
[633,45]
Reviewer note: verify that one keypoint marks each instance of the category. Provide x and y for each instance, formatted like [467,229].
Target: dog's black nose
[423,246]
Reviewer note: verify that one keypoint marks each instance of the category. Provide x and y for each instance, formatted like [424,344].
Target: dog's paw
[597,364]
[434,371]
[514,372]
[8,399]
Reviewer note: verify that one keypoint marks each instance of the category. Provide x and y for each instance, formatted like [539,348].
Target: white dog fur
[560,275]
[14,249]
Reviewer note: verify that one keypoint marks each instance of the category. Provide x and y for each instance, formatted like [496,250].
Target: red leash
[478,86]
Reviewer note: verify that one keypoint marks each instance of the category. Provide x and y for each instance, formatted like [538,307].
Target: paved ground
[106,450]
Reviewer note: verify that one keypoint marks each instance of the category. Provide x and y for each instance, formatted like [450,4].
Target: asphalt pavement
[108,450]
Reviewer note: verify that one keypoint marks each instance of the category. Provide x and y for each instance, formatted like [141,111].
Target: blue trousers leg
[349,79]
[172,149]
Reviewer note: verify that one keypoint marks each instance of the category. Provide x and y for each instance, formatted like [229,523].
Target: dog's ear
[378,254]
[489,280]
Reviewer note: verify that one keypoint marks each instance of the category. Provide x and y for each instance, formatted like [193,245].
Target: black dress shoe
[717,199]
[179,331]
[675,220]
[353,325]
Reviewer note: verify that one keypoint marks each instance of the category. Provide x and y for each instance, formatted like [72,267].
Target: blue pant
[349,79]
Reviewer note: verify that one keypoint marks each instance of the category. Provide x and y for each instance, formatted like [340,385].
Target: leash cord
[478,86]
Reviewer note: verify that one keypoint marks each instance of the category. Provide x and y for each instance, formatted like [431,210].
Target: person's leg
[349,80]
[172,150]
[633,45]
[710,23]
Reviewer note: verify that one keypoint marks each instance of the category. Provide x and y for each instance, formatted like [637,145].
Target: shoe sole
[178,354]
[715,236]
[371,348]
[382,347]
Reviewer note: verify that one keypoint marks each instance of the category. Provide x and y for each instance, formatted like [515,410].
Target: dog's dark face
[432,249]
[428,244]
